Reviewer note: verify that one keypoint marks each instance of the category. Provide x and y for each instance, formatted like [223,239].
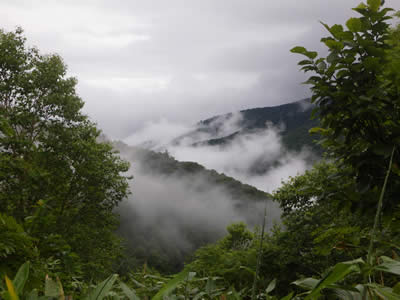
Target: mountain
[177,207]
[293,120]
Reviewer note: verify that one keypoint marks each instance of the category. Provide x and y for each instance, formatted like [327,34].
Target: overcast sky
[181,60]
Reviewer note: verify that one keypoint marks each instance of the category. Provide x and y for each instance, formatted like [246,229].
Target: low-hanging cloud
[256,157]
[177,214]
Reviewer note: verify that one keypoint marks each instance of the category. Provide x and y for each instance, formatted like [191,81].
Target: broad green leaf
[299,50]
[102,288]
[288,297]
[354,24]
[271,286]
[130,293]
[332,57]
[305,62]
[21,277]
[33,295]
[362,6]
[396,288]
[307,283]
[334,45]
[374,4]
[171,285]
[339,272]
[304,51]
[53,288]
[389,265]
[11,289]
[384,292]
[336,30]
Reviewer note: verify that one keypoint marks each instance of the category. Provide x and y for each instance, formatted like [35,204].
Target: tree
[56,178]
[356,89]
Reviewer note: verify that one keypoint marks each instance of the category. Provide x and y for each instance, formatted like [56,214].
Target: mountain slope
[177,207]
[292,119]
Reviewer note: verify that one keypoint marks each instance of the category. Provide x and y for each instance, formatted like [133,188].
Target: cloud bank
[141,61]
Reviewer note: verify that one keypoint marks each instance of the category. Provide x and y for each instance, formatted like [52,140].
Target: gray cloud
[140,61]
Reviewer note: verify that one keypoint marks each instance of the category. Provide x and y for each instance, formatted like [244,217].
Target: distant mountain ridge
[292,119]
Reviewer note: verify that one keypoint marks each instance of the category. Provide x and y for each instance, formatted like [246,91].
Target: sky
[139,62]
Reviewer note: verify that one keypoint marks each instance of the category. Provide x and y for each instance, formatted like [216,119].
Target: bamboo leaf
[171,285]
[21,277]
[389,265]
[271,286]
[11,289]
[102,288]
[339,272]
[130,293]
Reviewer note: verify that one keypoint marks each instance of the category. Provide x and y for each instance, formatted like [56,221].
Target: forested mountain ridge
[177,184]
[163,164]
[293,120]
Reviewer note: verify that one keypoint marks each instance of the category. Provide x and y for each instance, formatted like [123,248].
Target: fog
[176,212]
[256,157]
[169,216]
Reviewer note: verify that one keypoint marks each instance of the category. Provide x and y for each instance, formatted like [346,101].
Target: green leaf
[53,288]
[389,266]
[384,292]
[336,30]
[374,4]
[303,51]
[299,50]
[271,286]
[322,66]
[334,45]
[33,295]
[396,288]
[307,283]
[288,297]
[305,62]
[21,277]
[317,130]
[171,285]
[354,25]
[102,288]
[339,272]
[130,293]
[362,6]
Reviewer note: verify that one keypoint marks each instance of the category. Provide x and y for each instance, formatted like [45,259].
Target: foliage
[356,92]
[15,244]
[56,180]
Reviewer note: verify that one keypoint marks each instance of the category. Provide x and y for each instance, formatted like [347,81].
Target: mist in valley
[171,214]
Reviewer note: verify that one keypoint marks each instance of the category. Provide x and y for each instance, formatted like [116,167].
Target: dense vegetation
[341,233]
[58,184]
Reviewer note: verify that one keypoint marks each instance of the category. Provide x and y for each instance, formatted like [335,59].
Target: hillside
[215,199]
[292,119]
